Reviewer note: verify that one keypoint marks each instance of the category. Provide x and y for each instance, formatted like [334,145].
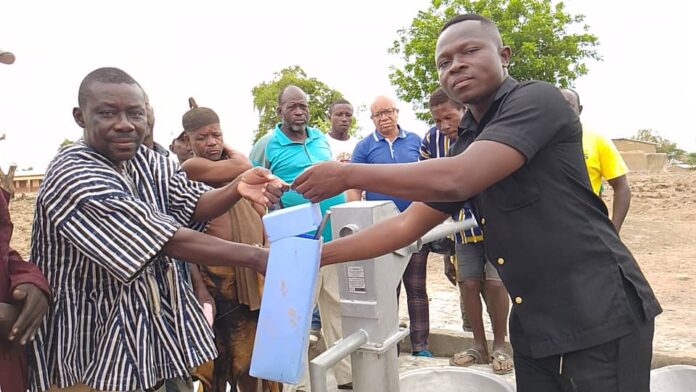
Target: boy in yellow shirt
[603,161]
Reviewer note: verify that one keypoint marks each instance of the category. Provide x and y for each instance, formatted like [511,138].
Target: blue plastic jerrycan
[280,348]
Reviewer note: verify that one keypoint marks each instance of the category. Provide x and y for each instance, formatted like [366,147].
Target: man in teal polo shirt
[293,146]
[287,150]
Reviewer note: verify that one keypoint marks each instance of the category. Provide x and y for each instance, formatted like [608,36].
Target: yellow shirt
[602,158]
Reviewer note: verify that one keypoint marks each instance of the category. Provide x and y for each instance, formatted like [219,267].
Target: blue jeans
[316,319]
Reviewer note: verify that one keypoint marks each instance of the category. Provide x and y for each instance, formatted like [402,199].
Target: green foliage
[538,32]
[664,145]
[648,135]
[65,142]
[690,159]
[319,97]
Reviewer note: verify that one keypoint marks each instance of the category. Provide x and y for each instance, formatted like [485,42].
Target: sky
[217,51]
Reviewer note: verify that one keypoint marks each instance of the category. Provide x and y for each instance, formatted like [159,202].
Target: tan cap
[6,57]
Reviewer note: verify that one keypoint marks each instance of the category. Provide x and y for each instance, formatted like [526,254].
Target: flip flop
[501,360]
[466,358]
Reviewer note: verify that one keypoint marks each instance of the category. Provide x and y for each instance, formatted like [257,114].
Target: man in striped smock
[473,274]
[110,218]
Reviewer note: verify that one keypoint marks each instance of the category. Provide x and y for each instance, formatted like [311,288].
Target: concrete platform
[442,343]
[408,362]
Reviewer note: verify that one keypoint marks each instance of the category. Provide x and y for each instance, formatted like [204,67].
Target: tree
[319,97]
[538,32]
[690,159]
[664,145]
[65,142]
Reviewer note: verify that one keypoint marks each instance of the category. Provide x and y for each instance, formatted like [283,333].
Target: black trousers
[620,365]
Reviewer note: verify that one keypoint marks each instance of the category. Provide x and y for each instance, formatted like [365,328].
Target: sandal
[466,358]
[501,363]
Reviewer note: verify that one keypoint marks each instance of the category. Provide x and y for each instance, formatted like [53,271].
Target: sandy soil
[660,230]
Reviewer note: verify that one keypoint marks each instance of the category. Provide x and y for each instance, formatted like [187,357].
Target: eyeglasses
[385,112]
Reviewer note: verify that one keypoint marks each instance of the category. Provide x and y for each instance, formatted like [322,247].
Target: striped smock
[123,315]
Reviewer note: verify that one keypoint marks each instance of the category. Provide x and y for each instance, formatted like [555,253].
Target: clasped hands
[316,183]
[20,320]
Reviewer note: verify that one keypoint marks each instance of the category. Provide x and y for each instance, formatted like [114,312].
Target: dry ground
[660,231]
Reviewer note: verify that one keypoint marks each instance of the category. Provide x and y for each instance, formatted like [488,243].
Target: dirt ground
[660,230]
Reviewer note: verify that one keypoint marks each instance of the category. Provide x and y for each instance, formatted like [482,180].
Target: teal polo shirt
[287,159]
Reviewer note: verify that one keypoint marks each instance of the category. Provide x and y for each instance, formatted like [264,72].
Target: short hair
[103,75]
[280,94]
[440,97]
[487,24]
[340,101]
[465,17]
[577,96]
[284,89]
[392,101]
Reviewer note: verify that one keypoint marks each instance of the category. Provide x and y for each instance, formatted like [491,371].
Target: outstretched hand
[258,185]
[34,305]
[322,181]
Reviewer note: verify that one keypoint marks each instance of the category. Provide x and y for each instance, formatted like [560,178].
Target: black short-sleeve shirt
[547,233]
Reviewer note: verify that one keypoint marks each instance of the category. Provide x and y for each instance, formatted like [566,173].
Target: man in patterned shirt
[110,218]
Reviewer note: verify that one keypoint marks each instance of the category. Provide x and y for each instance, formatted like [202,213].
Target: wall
[640,161]
[634,145]
[27,184]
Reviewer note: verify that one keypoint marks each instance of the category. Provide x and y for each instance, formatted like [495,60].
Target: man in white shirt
[341,117]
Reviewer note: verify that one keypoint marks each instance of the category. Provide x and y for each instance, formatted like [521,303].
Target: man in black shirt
[583,313]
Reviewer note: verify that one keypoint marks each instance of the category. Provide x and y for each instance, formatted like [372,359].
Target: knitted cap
[198,117]
[6,57]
